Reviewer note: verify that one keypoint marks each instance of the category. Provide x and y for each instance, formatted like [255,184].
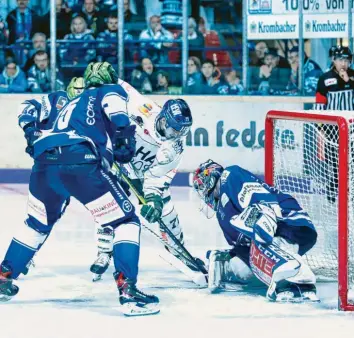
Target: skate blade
[134,309]
[4,298]
[225,287]
[96,277]
[298,300]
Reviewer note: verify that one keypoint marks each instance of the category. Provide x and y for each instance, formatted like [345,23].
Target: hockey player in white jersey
[267,229]
[160,133]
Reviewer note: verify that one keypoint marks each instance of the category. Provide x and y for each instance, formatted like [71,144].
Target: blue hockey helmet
[178,118]
[205,179]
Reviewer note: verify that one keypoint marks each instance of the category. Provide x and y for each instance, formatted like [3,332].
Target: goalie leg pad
[224,269]
[289,278]
[272,262]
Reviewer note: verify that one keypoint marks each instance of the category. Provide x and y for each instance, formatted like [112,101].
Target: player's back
[50,106]
[43,111]
[245,188]
[87,118]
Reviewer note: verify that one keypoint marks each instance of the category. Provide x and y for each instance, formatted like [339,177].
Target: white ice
[58,300]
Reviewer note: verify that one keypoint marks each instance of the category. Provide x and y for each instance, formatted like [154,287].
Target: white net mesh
[305,164]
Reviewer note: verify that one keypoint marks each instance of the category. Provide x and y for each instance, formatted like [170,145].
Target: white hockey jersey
[156,159]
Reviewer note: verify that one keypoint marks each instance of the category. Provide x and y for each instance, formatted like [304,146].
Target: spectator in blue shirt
[213,82]
[12,79]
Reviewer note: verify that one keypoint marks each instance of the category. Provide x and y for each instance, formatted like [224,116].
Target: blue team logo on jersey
[127,206]
[62,101]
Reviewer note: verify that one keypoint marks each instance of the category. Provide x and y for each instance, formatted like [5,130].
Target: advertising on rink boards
[279,19]
[230,130]
[263,27]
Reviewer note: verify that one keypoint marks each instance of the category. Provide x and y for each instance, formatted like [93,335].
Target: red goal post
[322,184]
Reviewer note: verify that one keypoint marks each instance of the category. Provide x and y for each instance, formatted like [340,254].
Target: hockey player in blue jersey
[35,116]
[38,115]
[267,229]
[89,133]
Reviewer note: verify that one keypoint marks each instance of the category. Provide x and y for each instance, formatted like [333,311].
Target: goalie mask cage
[310,155]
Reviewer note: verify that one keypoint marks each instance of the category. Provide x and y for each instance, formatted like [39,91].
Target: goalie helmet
[205,179]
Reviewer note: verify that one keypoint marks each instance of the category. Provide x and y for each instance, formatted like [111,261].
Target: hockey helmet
[100,73]
[205,179]
[341,52]
[75,87]
[178,118]
[331,50]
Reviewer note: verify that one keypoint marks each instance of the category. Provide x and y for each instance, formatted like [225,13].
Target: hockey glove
[152,210]
[266,225]
[124,144]
[258,222]
[32,133]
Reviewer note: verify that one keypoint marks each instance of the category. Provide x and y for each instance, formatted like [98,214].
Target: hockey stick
[186,255]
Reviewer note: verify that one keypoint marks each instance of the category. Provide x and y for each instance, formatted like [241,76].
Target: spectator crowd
[87,30]
[273,74]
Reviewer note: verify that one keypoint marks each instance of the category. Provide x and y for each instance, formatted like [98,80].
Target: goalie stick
[184,255]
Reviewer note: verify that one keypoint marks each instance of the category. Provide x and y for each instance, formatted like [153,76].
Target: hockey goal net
[310,155]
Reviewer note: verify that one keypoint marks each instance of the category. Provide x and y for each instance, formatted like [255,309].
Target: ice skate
[7,289]
[133,301]
[286,292]
[100,265]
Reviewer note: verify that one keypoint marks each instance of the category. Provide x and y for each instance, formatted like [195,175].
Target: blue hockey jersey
[240,188]
[91,117]
[44,111]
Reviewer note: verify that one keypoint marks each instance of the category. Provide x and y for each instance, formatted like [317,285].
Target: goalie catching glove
[152,210]
[258,221]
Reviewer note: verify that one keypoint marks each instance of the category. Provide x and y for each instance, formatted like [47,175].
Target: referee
[335,91]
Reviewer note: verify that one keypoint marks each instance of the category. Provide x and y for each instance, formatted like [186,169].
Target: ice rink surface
[57,298]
